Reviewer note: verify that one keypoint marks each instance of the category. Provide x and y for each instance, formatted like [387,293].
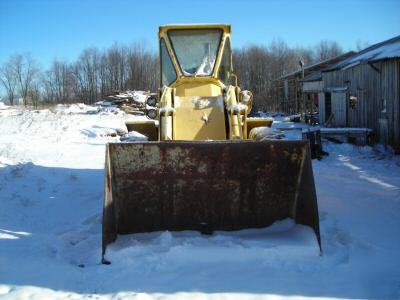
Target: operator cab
[195,52]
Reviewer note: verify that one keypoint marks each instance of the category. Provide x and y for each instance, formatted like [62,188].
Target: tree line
[98,73]
[93,76]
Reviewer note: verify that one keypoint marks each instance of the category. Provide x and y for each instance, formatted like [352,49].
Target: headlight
[151,101]
[151,113]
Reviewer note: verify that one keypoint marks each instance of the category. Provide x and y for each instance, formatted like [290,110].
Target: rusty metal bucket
[206,186]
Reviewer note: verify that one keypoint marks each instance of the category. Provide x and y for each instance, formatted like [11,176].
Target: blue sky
[61,29]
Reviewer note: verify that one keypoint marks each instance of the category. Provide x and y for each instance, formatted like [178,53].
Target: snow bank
[100,131]
[81,108]
[133,136]
[3,106]
[59,136]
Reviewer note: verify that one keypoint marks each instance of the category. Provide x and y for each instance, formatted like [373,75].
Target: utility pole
[301,63]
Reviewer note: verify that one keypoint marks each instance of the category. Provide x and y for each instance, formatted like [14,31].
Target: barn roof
[385,50]
[316,76]
[317,66]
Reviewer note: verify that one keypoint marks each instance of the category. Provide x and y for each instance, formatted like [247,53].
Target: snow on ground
[51,193]
[3,106]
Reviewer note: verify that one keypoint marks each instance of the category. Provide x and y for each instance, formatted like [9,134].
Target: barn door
[339,108]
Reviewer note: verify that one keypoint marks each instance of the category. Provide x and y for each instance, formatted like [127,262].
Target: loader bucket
[206,186]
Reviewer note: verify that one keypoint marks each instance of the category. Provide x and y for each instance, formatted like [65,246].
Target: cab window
[224,72]
[196,50]
[168,74]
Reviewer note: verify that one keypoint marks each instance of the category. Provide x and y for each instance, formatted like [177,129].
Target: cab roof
[225,27]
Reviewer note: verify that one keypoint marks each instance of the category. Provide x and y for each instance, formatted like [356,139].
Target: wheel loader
[204,166]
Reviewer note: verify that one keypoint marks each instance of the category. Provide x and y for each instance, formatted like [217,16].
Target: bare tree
[8,79]
[25,70]
[361,45]
[105,88]
[48,87]
[86,75]
[258,67]
[303,54]
[59,82]
[142,68]
[327,49]
[116,67]
[34,94]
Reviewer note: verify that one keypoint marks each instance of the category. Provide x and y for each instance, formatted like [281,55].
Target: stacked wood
[132,102]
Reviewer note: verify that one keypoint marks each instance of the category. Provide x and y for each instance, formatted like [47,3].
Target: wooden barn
[363,91]
[287,90]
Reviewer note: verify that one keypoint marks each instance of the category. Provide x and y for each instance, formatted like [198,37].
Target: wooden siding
[339,109]
[312,86]
[373,85]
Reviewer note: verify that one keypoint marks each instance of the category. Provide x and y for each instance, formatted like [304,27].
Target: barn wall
[312,86]
[373,85]
[339,108]
[390,72]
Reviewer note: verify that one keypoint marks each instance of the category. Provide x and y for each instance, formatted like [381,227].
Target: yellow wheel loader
[203,166]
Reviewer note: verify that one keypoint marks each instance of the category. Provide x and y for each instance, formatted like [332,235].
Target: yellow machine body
[201,107]
[199,170]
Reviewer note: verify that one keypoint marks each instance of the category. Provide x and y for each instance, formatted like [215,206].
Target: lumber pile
[132,102]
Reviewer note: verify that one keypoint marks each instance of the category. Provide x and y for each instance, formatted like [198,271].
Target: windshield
[196,50]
